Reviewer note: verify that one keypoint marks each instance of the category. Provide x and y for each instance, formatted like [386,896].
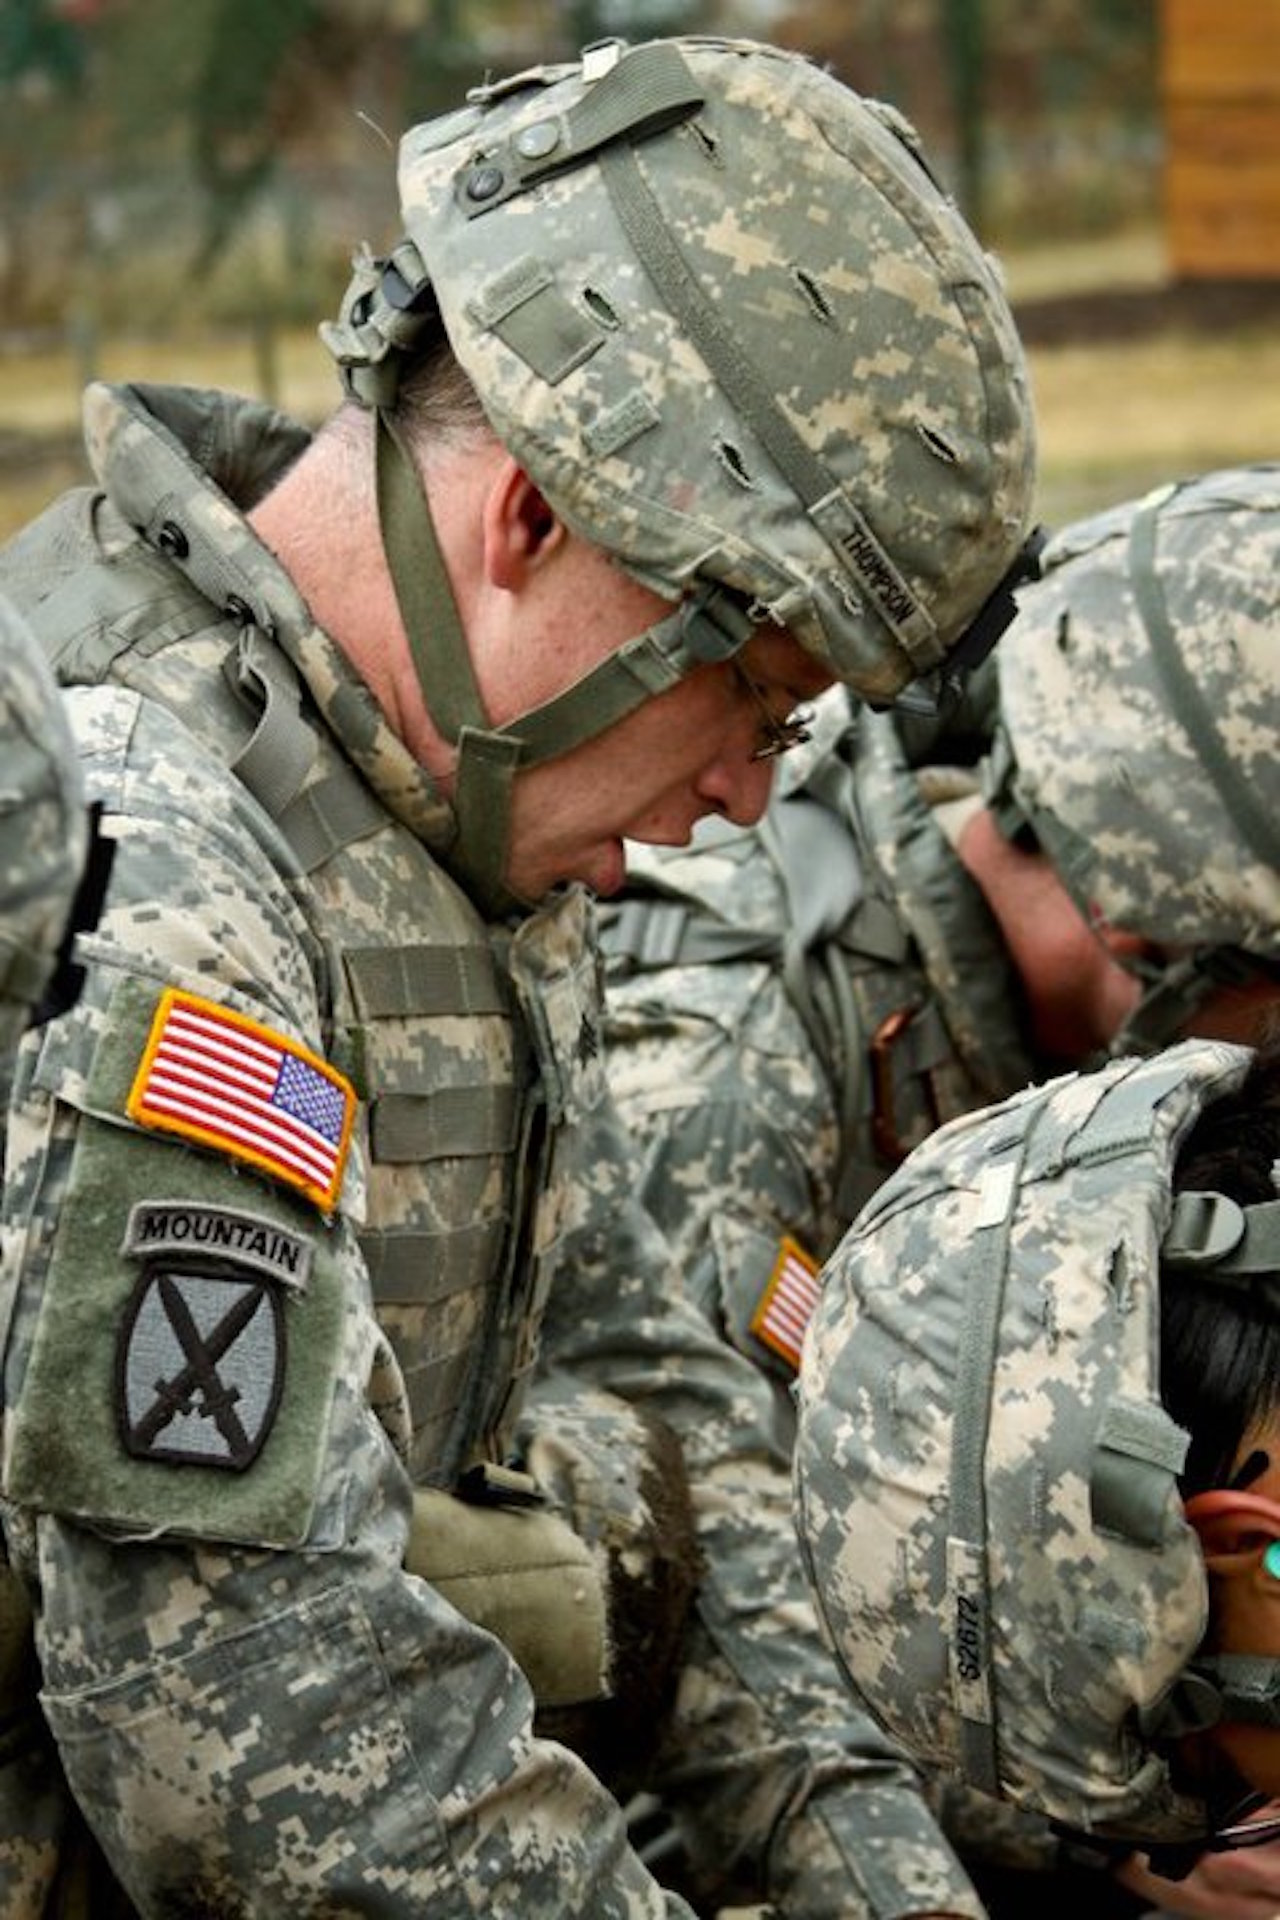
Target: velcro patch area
[786,1306]
[180,1379]
[213,1075]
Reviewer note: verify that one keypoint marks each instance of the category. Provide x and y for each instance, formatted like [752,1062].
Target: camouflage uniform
[727,1052]
[752,975]
[790,1009]
[43,843]
[223,1376]
[793,1006]
[42,831]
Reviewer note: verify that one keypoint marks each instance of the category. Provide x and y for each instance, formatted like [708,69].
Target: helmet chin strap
[1233,1828]
[1236,1689]
[708,627]
[1217,1241]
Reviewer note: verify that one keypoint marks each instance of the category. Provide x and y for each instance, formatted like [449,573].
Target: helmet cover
[987,1480]
[792,371]
[1139,692]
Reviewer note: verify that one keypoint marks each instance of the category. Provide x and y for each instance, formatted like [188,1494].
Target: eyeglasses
[777,735]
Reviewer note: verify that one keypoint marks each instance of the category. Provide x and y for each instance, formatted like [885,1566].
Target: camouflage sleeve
[42,829]
[783,1788]
[256,1708]
[716,1079]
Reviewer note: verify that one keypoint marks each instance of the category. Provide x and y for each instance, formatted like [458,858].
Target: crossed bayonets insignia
[198,1387]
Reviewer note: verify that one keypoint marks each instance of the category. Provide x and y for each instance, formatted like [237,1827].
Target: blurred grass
[1116,415]
[1122,416]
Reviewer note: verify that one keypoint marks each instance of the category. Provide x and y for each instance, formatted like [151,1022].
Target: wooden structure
[1220,87]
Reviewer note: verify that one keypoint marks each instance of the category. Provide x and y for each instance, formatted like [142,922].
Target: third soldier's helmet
[988,1480]
[1139,692]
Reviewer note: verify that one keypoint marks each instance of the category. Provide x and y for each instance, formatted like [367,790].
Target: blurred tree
[140,138]
[964,39]
[39,38]
[42,70]
[442,57]
[246,93]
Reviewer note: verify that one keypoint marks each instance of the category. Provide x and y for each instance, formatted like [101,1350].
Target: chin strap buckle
[939,693]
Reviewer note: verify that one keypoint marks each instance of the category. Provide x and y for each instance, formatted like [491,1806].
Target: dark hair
[1220,1345]
[436,400]
[435,408]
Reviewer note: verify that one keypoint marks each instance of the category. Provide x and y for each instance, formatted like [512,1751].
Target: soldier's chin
[606,871]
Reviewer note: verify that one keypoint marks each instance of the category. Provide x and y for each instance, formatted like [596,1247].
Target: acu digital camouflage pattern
[753,979]
[256,1707]
[986,1478]
[42,831]
[1159,810]
[875,336]
[746,975]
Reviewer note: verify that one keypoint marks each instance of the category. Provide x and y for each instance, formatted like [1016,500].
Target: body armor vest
[463,1042]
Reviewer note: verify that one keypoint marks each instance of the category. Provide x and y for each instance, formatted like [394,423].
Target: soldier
[931,914]
[53,871]
[793,1006]
[1135,760]
[326,1144]
[1037,1460]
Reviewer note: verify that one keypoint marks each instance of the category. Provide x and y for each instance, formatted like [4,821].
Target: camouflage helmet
[986,1477]
[715,305]
[42,830]
[1139,686]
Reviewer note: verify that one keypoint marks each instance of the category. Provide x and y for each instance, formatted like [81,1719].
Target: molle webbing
[444,1123]
[942,909]
[646,92]
[390,981]
[851,541]
[423,1279]
[967,1549]
[429,1274]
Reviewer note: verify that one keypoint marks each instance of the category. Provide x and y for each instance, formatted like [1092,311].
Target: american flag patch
[787,1303]
[215,1076]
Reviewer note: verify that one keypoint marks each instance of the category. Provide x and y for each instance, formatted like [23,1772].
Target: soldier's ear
[521,530]
[1239,1536]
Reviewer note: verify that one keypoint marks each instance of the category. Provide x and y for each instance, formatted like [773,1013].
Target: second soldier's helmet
[715,304]
[988,1481]
[1140,689]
